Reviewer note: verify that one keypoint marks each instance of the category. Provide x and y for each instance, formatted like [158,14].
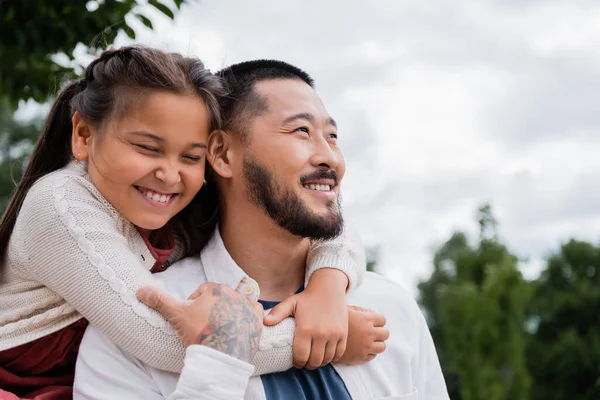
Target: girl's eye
[194,159]
[147,148]
[333,136]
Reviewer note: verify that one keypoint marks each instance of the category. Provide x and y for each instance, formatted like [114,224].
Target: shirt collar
[220,268]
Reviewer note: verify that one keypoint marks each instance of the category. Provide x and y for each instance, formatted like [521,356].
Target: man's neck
[271,256]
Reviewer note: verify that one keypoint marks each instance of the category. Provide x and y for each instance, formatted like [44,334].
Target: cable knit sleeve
[346,253]
[73,246]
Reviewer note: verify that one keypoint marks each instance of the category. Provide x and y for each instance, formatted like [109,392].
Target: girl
[99,209]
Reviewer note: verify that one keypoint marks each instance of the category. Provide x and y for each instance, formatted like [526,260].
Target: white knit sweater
[73,256]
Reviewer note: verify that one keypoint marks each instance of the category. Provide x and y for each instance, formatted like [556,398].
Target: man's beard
[286,208]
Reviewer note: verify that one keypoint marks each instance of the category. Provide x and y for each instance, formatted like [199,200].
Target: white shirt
[409,369]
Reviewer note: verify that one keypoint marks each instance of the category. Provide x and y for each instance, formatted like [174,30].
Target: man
[278,170]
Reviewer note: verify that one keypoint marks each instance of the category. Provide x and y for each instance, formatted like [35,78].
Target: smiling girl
[114,191]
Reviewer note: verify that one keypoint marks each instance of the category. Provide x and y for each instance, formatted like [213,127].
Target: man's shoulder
[383,295]
[383,285]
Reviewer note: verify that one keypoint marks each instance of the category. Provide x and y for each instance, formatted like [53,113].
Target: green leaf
[162,8]
[145,20]
[129,31]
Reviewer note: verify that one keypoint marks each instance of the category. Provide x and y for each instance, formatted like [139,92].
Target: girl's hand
[366,336]
[321,319]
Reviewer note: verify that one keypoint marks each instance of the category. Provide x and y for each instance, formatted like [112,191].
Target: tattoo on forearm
[232,327]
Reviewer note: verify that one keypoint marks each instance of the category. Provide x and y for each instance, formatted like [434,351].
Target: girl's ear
[219,153]
[80,137]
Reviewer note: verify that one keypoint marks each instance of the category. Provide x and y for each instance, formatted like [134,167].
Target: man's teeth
[162,198]
[323,188]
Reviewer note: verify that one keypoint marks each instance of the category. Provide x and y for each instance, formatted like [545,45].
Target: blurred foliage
[16,143]
[499,336]
[475,304]
[32,32]
[564,351]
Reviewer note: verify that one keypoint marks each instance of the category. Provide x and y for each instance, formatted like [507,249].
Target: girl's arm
[69,235]
[345,253]
[321,331]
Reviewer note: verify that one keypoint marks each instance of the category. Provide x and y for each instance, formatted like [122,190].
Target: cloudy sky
[442,106]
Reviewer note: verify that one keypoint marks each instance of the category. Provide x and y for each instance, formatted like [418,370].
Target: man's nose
[324,155]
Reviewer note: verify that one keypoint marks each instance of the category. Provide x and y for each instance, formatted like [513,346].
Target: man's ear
[219,152]
[80,137]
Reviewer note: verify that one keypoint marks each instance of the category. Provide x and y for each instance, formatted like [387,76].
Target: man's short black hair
[243,102]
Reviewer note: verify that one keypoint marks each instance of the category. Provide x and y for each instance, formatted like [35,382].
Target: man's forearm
[211,374]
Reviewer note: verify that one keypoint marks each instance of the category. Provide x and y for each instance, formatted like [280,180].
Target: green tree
[475,305]
[33,32]
[564,351]
[16,143]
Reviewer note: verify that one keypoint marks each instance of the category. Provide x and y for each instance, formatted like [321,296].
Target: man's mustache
[322,174]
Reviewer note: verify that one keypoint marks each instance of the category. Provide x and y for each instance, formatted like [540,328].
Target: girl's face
[150,163]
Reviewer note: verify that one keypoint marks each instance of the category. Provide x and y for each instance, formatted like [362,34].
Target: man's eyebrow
[308,117]
[331,121]
[162,140]
[304,115]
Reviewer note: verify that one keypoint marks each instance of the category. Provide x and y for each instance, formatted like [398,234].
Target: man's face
[292,166]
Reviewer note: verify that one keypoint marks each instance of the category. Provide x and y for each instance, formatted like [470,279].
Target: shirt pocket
[414,395]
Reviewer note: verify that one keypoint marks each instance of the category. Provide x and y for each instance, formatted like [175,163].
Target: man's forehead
[285,96]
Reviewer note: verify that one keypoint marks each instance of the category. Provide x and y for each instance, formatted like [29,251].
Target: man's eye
[303,129]
[333,136]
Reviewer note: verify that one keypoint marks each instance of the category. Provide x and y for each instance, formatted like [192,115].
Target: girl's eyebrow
[162,140]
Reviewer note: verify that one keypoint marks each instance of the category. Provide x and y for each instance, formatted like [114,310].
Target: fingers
[378,347]
[378,319]
[258,308]
[201,289]
[340,349]
[301,349]
[281,311]
[381,334]
[159,301]
[317,352]
[360,309]
[330,352]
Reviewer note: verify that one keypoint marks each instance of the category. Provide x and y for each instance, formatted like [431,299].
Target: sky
[442,106]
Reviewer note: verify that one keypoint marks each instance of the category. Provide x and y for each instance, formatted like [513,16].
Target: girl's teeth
[163,198]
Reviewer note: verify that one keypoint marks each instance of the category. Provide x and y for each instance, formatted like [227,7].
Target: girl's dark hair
[111,82]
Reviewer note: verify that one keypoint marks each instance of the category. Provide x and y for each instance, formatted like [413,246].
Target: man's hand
[321,319]
[217,317]
[366,336]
